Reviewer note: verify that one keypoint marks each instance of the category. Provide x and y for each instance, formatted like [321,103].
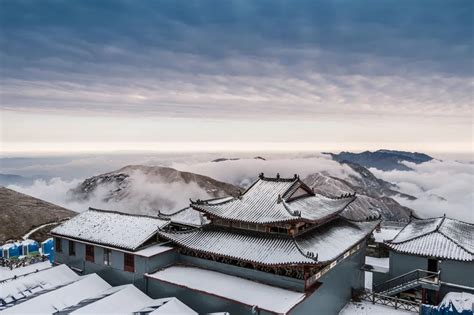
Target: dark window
[72,248]
[89,253]
[57,245]
[433,265]
[107,254]
[129,262]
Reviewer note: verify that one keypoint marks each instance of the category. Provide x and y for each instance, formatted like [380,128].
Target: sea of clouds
[441,186]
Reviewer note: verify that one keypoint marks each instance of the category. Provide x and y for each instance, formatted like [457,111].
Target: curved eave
[442,257]
[294,219]
[450,251]
[289,263]
[283,220]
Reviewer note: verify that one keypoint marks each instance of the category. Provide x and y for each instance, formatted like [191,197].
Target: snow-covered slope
[147,189]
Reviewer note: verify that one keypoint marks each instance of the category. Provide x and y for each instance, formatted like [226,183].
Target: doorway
[433,265]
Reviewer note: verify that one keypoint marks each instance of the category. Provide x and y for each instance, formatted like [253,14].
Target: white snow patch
[367,308]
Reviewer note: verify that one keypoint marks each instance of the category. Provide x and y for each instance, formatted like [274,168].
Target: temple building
[429,258]
[118,247]
[278,248]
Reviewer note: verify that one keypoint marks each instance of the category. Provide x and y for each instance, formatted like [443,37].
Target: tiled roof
[319,245]
[271,200]
[110,228]
[443,237]
[187,216]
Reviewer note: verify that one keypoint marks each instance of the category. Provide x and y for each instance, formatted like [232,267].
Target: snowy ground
[367,308]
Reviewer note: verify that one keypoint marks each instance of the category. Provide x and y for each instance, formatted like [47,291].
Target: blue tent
[47,248]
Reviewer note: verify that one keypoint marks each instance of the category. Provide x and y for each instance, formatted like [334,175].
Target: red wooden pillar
[423,295]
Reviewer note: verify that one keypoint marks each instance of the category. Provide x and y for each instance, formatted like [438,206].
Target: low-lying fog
[441,186]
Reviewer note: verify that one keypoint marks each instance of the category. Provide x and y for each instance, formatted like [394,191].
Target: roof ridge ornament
[261,175]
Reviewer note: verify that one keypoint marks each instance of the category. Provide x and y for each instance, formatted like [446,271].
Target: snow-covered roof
[322,244]
[386,234]
[7,273]
[187,216]
[153,250]
[173,306]
[266,297]
[272,200]
[112,228]
[34,283]
[64,297]
[443,237]
[126,299]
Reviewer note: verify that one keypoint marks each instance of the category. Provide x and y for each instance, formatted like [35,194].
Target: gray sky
[207,75]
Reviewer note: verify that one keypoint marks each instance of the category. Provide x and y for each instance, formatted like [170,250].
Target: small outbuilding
[29,247]
[11,250]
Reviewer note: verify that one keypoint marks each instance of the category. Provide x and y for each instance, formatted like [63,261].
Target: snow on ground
[6,273]
[27,235]
[367,308]
[386,234]
[251,293]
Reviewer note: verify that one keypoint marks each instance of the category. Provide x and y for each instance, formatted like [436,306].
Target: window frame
[72,248]
[58,248]
[107,257]
[90,253]
[127,258]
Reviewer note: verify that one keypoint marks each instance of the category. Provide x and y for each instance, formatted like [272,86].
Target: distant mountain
[147,189]
[236,159]
[385,160]
[20,213]
[373,194]
[12,179]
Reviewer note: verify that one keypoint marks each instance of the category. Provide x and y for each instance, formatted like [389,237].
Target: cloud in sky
[442,187]
[260,61]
